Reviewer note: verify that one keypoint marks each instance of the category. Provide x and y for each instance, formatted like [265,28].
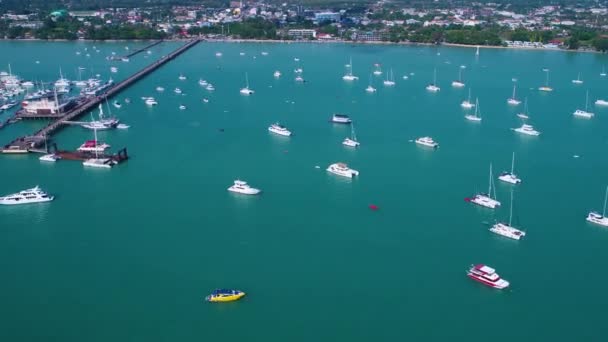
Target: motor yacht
[341,169]
[341,119]
[210,87]
[33,195]
[224,295]
[279,129]
[93,146]
[427,141]
[487,276]
[527,130]
[242,187]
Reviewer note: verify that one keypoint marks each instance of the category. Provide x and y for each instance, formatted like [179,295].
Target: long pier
[25,143]
[136,51]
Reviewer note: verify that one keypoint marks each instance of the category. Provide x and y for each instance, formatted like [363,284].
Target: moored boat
[487,276]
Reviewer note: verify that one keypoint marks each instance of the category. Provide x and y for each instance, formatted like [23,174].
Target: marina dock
[25,143]
[119,58]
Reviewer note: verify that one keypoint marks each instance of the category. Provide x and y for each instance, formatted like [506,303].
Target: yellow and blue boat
[225,295]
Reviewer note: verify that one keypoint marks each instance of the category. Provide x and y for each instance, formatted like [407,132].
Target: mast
[605,199]
[435,76]
[476,110]
[547,78]
[352,132]
[526,106]
[460,75]
[513,163]
[351,65]
[513,96]
[511,209]
[246,81]
[95,132]
[490,182]
[469,100]
[587,100]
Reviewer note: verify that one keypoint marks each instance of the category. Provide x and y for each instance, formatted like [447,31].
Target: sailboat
[513,100]
[458,84]
[477,52]
[510,177]
[62,82]
[475,117]
[48,157]
[246,90]
[584,113]
[578,79]
[378,70]
[390,80]
[182,77]
[352,141]
[349,74]
[80,83]
[507,230]
[103,123]
[603,73]
[105,163]
[546,86]
[433,86]
[467,104]
[595,217]
[370,88]
[524,115]
[486,200]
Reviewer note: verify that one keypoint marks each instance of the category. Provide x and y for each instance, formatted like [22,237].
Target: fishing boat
[458,83]
[546,87]
[487,276]
[467,104]
[433,86]
[224,295]
[246,90]
[28,196]
[507,230]
[513,100]
[510,177]
[487,200]
[585,114]
[475,117]
[595,217]
[352,141]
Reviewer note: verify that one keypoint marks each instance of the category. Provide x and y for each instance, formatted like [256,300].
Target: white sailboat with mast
[433,86]
[510,177]
[578,79]
[370,88]
[390,80]
[584,113]
[247,90]
[349,73]
[546,86]
[467,104]
[352,141]
[458,83]
[507,230]
[486,199]
[474,117]
[513,100]
[104,163]
[595,217]
[524,114]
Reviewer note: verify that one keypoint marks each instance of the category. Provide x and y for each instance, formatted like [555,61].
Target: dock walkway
[135,52]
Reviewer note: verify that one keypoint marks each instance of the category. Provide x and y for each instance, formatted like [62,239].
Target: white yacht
[298,70]
[341,169]
[390,79]
[246,90]
[467,104]
[33,195]
[601,102]
[595,217]
[101,163]
[427,141]
[458,83]
[50,158]
[242,187]
[510,177]
[299,79]
[546,87]
[349,73]
[279,129]
[527,130]
[584,113]
[160,89]
[474,117]
[182,77]
[513,101]
[177,90]
[103,123]
[486,200]
[433,86]
[277,74]
[93,145]
[341,118]
[507,230]
[210,87]
[62,82]
[352,141]
[578,79]
[150,101]
[370,89]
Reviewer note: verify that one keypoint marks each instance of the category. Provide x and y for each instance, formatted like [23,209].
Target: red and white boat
[93,146]
[487,276]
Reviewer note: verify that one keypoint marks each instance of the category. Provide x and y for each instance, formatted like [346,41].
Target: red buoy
[373,207]
[467,199]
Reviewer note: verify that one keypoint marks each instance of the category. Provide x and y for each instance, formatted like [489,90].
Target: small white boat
[487,200]
[341,169]
[117,104]
[584,113]
[182,77]
[113,69]
[595,217]
[370,89]
[28,196]
[101,163]
[182,107]
[507,230]
[467,104]
[474,117]
[299,79]
[433,86]
[427,142]
[510,177]
[341,119]
[160,89]
[513,101]
[202,82]
[277,74]
[242,187]
[218,54]
[150,101]
[264,53]
[241,54]
[578,79]
[279,129]
[527,130]
[458,83]
[50,158]
[298,70]
[177,91]
[349,73]
[601,102]
[246,90]
[352,141]
[210,87]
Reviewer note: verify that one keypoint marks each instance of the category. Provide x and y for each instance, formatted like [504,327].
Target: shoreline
[283,41]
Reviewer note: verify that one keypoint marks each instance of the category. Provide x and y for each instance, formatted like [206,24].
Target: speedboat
[485,200]
[341,118]
[341,169]
[509,178]
[93,146]
[101,163]
[224,295]
[527,130]
[277,74]
[370,89]
[583,114]
[506,230]
[243,188]
[597,218]
[487,276]
[50,158]
[601,103]
[33,195]
[177,91]
[280,130]
[150,101]
[427,141]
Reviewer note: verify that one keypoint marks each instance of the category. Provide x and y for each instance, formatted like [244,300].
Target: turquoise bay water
[128,254]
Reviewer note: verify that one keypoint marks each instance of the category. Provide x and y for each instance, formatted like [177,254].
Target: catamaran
[390,80]
[378,70]
[370,88]
[546,86]
[488,199]
[507,230]
[246,90]
[349,73]
[475,117]
[352,141]
[510,177]
[513,100]
[527,130]
[97,162]
[578,79]
[524,114]
[584,113]
[458,83]
[467,104]
[595,217]
[433,86]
